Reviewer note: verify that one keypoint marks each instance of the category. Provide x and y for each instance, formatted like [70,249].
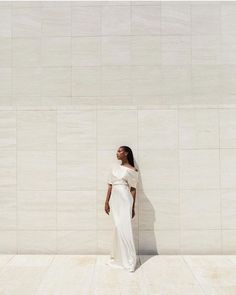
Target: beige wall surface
[79,79]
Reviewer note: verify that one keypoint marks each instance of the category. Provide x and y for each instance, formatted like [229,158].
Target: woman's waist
[120,183]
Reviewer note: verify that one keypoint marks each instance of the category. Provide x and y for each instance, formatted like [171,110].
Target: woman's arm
[133,192]
[107,207]
[108,193]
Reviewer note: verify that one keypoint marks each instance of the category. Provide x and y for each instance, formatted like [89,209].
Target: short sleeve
[133,179]
[109,177]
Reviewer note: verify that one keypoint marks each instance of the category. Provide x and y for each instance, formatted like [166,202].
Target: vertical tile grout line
[191,49]
[160,95]
[179,147]
[220,194]
[41,52]
[179,190]
[16,125]
[179,111]
[96,118]
[96,150]
[71,57]
[56,177]
[56,182]
[219,135]
[16,137]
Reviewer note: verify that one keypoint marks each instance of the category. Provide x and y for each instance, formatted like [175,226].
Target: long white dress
[123,253]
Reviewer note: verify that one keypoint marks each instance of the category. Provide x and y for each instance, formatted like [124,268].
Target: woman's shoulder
[133,168]
[118,165]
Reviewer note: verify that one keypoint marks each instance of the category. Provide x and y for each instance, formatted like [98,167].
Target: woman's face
[121,154]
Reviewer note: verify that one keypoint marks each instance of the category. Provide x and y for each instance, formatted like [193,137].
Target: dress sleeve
[133,179]
[109,177]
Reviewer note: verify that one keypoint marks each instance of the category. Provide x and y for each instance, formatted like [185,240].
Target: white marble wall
[79,79]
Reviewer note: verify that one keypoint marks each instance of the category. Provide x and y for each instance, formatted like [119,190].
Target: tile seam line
[45,273]
[16,125]
[219,131]
[197,280]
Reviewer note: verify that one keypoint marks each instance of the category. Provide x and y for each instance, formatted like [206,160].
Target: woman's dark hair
[130,156]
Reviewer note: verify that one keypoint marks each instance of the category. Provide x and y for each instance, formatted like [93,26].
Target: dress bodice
[122,175]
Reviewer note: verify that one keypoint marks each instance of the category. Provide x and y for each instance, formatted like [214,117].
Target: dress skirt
[123,249]
[123,253]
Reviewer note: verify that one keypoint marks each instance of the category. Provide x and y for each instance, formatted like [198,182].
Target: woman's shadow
[145,239]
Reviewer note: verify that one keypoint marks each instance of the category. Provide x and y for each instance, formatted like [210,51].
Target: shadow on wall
[147,244]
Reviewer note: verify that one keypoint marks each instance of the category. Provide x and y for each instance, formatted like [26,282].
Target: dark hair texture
[130,156]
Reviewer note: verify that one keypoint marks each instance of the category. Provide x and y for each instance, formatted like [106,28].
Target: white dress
[123,253]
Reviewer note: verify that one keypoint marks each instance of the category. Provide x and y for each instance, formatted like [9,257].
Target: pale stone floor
[89,274]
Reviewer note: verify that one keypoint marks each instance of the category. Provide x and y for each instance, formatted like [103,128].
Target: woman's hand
[107,207]
[133,212]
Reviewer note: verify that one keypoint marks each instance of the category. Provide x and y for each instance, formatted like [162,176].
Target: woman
[122,182]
